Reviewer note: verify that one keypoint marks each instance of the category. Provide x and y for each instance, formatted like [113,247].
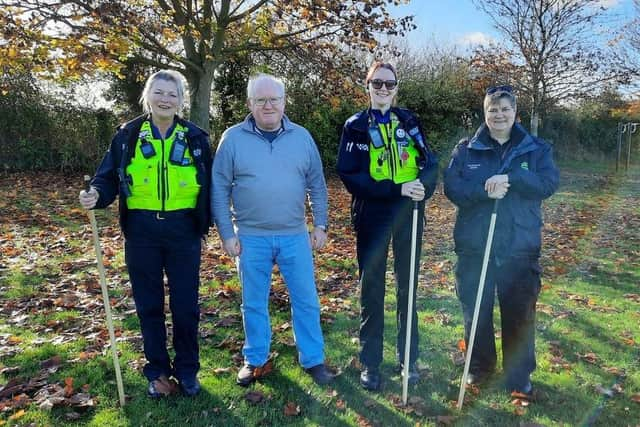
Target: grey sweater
[261,187]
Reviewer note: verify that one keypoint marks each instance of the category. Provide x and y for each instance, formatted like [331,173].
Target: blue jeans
[292,254]
[517,283]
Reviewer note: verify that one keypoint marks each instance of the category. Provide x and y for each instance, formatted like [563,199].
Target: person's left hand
[318,238]
[492,184]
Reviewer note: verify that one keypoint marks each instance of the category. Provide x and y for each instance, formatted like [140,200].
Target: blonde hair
[166,75]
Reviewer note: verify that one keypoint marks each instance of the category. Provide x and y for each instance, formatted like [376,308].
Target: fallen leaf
[68,386]
[291,409]
[462,346]
[17,415]
[51,362]
[520,402]
[254,397]
[219,371]
[636,397]
[72,416]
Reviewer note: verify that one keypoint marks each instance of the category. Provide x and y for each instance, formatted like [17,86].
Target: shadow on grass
[206,409]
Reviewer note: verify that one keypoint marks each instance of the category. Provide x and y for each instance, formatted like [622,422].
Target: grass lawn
[56,369]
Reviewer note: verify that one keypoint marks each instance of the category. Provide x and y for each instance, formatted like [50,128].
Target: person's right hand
[413,189]
[88,199]
[232,246]
[499,191]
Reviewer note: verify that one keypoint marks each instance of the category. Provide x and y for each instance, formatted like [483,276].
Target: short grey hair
[167,75]
[255,79]
[494,98]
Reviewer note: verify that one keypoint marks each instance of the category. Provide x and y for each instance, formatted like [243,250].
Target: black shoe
[320,374]
[478,377]
[370,379]
[414,374]
[249,373]
[190,387]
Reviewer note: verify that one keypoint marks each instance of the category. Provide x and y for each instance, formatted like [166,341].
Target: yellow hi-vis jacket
[398,158]
[158,182]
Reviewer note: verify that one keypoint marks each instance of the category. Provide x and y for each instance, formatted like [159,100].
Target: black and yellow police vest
[392,152]
[162,174]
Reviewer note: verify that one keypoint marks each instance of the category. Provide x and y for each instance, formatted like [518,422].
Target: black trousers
[517,283]
[155,247]
[378,224]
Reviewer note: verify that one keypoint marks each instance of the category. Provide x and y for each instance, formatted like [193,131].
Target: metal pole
[476,310]
[105,297]
[619,145]
[412,275]
[632,129]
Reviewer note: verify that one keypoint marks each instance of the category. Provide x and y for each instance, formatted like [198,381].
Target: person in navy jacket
[386,165]
[501,161]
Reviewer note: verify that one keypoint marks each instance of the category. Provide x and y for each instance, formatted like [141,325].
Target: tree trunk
[200,90]
[534,122]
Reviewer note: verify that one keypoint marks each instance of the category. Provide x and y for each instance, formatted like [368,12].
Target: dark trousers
[155,247]
[517,282]
[378,225]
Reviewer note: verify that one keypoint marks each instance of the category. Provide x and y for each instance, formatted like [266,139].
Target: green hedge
[40,134]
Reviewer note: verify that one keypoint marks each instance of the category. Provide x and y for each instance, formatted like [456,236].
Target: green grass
[587,325]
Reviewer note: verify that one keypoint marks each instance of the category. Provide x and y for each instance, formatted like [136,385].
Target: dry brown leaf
[166,386]
[51,362]
[291,409]
[254,397]
[68,386]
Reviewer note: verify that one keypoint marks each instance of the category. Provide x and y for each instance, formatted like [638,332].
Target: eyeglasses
[493,89]
[377,84]
[261,102]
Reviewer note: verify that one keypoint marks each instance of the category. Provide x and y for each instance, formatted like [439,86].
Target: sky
[460,23]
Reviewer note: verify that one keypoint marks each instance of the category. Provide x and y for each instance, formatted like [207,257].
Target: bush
[40,134]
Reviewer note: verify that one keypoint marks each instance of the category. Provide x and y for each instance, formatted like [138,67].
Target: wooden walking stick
[105,295]
[476,310]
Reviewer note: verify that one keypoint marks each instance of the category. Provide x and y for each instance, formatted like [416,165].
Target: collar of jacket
[248,124]
[361,120]
[134,125]
[522,140]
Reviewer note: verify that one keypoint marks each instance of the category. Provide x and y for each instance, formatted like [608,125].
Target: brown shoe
[249,373]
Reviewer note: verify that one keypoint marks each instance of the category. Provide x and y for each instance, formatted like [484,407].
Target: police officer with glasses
[386,165]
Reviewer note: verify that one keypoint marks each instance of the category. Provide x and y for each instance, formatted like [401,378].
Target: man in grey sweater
[263,170]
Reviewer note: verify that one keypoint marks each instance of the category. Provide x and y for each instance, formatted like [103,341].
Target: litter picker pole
[476,310]
[105,296]
[412,275]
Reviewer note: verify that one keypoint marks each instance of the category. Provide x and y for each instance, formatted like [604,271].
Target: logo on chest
[473,166]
